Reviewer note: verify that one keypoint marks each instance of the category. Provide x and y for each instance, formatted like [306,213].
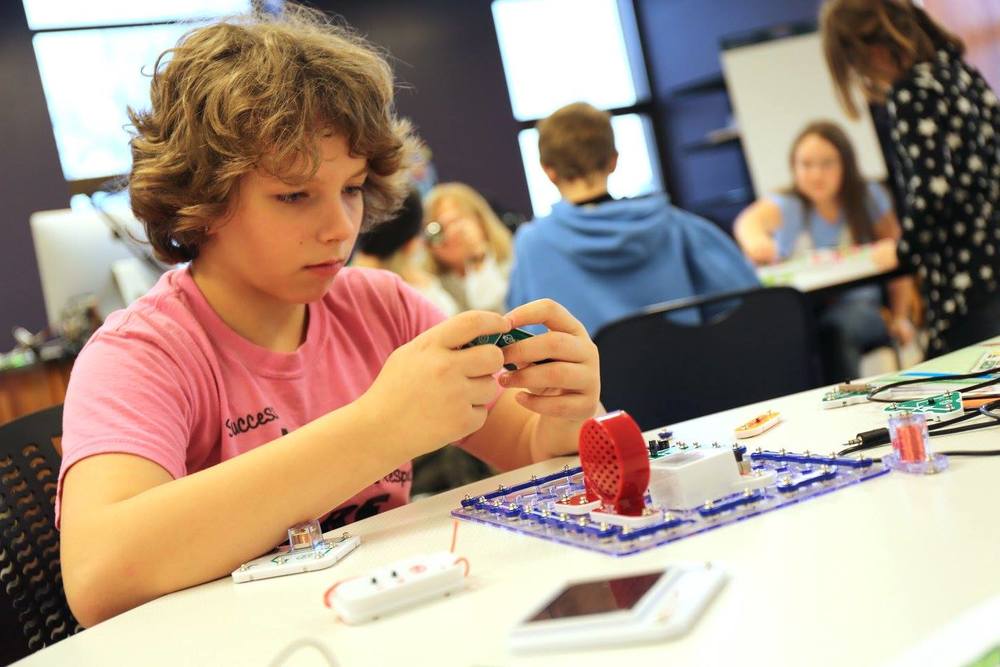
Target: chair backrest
[33,608]
[762,345]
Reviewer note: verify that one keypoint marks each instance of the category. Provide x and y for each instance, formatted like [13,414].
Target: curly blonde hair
[253,92]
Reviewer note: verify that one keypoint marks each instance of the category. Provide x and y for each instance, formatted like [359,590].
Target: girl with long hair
[945,137]
[831,205]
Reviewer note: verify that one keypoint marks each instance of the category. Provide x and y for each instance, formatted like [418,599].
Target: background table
[824,272]
[853,577]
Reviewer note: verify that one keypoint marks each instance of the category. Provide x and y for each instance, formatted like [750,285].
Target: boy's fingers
[554,345]
[464,327]
[480,360]
[562,376]
[549,313]
[569,406]
[482,390]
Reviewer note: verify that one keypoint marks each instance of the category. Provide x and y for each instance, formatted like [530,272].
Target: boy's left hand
[568,386]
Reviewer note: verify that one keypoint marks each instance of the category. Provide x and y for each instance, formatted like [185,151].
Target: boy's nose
[337,223]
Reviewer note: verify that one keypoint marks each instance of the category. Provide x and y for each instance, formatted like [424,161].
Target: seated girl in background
[830,205]
[398,245]
[470,249]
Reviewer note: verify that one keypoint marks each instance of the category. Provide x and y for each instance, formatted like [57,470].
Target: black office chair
[752,345]
[33,608]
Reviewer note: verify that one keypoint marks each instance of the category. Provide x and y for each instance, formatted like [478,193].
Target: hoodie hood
[610,236]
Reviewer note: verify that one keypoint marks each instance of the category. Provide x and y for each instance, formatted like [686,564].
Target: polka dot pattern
[946,138]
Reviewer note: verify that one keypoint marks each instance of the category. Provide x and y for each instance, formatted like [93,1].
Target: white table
[825,269]
[853,577]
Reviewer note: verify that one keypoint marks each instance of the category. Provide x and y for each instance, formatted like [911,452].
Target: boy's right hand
[430,392]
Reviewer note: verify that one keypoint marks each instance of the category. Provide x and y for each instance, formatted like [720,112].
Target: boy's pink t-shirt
[168,380]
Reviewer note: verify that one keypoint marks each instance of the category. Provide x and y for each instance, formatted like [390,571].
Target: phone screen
[599,597]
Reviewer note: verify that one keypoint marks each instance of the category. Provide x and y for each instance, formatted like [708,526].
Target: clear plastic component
[911,447]
[306,536]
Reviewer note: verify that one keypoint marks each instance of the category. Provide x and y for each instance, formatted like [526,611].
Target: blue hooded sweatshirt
[608,260]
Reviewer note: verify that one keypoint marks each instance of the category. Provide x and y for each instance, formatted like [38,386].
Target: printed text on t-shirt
[250,422]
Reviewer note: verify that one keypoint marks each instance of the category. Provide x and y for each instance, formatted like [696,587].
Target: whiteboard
[776,89]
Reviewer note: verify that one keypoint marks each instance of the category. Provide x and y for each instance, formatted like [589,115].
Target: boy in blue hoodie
[604,258]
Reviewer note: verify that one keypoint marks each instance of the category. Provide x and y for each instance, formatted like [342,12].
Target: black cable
[873,442]
[880,436]
[964,429]
[995,379]
[987,410]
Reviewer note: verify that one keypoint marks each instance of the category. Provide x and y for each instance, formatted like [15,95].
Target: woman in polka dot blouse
[946,155]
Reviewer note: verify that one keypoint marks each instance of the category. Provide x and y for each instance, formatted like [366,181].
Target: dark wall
[30,176]
[447,58]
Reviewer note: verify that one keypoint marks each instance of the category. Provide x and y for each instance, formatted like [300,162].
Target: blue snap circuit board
[693,488]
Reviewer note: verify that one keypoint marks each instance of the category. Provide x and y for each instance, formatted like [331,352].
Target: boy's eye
[354,190]
[291,197]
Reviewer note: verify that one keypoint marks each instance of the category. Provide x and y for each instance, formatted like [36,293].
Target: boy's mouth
[330,267]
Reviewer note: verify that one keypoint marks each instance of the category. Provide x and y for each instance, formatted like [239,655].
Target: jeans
[849,327]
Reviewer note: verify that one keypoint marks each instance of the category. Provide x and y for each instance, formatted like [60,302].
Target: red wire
[454,537]
[326,595]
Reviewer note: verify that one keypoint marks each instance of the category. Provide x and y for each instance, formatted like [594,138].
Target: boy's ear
[613,164]
[551,173]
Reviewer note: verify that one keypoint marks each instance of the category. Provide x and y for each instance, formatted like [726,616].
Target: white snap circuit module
[308,550]
[758,425]
[935,408]
[396,586]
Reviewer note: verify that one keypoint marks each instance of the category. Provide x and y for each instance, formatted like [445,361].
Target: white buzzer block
[401,584]
[690,478]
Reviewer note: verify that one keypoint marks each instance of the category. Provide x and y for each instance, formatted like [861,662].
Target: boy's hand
[568,386]
[429,392]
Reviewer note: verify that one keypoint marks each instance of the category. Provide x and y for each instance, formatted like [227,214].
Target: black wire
[995,379]
[964,429]
[987,410]
[880,437]
[969,414]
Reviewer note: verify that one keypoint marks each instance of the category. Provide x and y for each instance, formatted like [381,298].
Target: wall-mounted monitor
[90,75]
[560,51]
[62,14]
